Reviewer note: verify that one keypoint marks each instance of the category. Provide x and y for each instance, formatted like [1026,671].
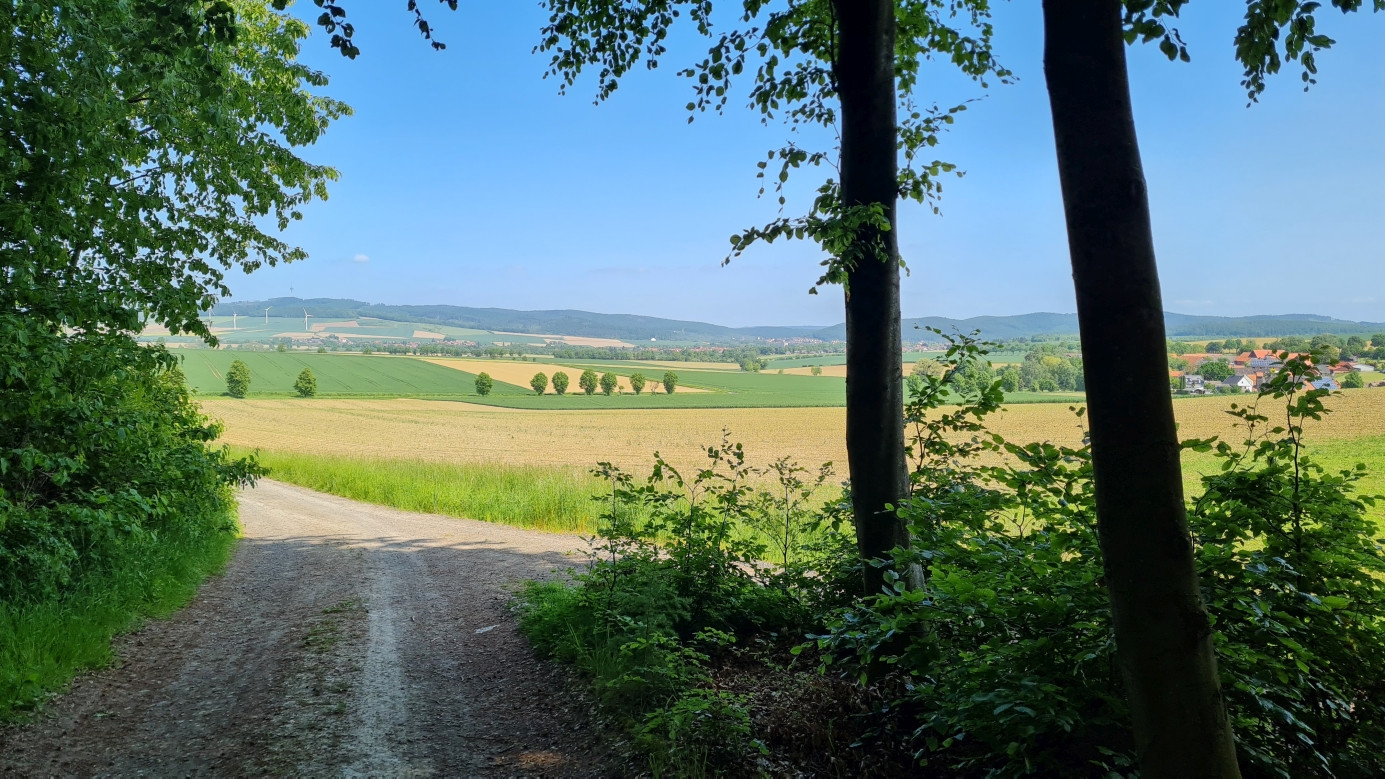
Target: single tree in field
[587,381]
[637,381]
[484,384]
[670,381]
[1353,380]
[237,379]
[306,383]
[539,383]
[1162,632]
[816,370]
[560,383]
[609,382]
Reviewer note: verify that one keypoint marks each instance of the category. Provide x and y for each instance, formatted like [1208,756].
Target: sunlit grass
[542,498]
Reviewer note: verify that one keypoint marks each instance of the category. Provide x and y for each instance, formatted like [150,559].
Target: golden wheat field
[448,431]
[827,370]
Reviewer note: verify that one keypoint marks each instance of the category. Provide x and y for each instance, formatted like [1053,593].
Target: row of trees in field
[607,382]
[1047,368]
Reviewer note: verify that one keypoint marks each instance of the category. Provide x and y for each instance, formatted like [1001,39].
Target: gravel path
[342,640]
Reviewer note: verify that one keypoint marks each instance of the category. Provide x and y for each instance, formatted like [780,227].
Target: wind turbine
[266,314]
[233,321]
[306,317]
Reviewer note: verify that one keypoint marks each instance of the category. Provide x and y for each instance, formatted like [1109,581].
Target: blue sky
[468,180]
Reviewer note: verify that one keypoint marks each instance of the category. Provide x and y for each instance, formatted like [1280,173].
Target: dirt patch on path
[343,639]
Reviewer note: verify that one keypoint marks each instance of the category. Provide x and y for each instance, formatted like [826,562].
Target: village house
[1259,359]
[1245,382]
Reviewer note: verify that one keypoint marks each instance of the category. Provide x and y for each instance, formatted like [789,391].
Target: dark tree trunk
[874,387]
[1162,631]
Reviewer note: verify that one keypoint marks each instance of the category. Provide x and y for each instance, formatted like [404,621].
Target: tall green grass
[44,644]
[543,498]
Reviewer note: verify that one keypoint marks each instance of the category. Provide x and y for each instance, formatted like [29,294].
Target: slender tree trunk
[1162,631]
[874,387]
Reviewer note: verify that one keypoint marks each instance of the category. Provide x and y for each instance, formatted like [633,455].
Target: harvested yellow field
[519,374]
[461,432]
[827,370]
[429,335]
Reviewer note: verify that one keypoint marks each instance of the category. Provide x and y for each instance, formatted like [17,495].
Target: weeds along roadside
[43,644]
[1003,663]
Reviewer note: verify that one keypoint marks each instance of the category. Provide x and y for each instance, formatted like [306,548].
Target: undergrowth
[724,656]
[44,643]
[113,504]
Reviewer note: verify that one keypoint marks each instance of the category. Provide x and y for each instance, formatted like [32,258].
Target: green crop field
[338,375]
[353,375]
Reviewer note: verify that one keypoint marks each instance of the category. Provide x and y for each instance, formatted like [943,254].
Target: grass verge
[44,644]
[542,498]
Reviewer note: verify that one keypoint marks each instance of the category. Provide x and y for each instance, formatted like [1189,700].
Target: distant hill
[1177,325]
[631,327]
[566,322]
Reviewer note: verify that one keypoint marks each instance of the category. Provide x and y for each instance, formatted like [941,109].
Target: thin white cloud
[361,258]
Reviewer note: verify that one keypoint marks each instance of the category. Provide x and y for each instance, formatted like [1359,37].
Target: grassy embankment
[44,644]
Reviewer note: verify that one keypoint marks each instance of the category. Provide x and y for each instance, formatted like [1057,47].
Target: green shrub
[560,381]
[637,382]
[539,383]
[306,384]
[237,379]
[670,381]
[105,471]
[484,384]
[587,381]
[609,382]
[1003,662]
[675,579]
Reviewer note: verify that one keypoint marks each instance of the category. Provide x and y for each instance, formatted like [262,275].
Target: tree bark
[1162,632]
[874,385]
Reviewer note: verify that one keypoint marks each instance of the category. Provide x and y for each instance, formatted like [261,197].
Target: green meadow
[338,375]
[379,376]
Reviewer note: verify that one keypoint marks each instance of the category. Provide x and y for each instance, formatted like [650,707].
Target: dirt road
[343,639]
